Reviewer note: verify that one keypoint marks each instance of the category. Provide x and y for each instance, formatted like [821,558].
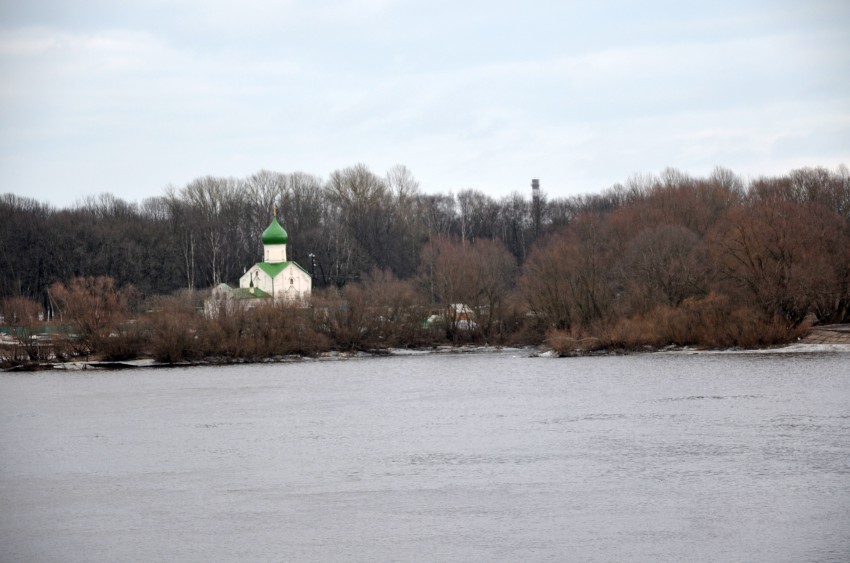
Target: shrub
[712,321]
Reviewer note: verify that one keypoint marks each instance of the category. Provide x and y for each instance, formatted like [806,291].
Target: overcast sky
[128,97]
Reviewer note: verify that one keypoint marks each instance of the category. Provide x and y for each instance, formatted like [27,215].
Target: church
[274,278]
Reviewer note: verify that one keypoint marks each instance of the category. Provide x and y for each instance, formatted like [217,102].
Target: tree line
[208,231]
[667,258]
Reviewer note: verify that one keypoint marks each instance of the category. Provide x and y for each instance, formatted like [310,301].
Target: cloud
[25,44]
[472,95]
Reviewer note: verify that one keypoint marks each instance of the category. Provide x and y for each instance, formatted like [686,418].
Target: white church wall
[293,283]
[275,253]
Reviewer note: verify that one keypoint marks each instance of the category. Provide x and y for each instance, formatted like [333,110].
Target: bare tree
[568,279]
[792,259]
[23,315]
[662,266]
[95,308]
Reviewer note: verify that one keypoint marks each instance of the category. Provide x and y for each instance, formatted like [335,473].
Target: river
[441,457]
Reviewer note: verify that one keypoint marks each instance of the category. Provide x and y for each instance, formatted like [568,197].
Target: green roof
[275,234]
[245,293]
[273,269]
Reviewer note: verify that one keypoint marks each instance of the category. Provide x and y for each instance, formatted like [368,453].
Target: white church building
[275,278]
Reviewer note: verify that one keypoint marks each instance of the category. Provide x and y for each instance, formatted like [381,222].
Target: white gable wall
[291,283]
[261,279]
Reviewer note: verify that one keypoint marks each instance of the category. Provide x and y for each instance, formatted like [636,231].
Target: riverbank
[828,338]
[323,356]
[828,334]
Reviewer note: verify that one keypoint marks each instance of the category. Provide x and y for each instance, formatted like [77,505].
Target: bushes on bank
[382,313]
[713,321]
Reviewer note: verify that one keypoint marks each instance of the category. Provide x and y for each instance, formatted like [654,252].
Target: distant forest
[655,245]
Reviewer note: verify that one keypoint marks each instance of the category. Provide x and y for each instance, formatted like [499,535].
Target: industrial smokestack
[535,195]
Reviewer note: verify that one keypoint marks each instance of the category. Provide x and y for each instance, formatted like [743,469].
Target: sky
[130,97]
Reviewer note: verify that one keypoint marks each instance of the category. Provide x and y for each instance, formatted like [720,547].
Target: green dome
[275,234]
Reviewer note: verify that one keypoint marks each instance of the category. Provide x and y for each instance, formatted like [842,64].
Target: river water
[472,457]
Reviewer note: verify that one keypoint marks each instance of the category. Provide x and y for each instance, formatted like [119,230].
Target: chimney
[535,198]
